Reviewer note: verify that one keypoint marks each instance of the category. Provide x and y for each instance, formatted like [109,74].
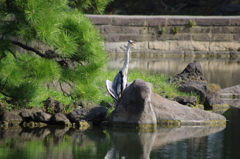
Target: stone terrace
[162,35]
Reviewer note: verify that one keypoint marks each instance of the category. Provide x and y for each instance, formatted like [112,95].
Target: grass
[97,92]
[158,81]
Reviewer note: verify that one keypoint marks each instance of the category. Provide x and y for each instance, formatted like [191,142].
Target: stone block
[137,38]
[153,30]
[235,22]
[174,37]
[181,45]
[224,30]
[183,29]
[236,37]
[158,45]
[156,21]
[181,37]
[141,45]
[222,37]
[200,46]
[199,29]
[224,46]
[212,21]
[108,29]
[165,37]
[127,21]
[99,20]
[111,37]
[201,37]
[113,47]
[178,21]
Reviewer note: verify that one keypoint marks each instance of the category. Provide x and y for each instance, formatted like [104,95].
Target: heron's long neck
[125,66]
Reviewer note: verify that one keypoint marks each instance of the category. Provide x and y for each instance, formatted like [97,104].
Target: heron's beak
[133,44]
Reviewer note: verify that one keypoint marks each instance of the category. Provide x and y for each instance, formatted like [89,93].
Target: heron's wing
[118,83]
[111,90]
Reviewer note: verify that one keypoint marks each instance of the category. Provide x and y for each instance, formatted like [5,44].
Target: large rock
[193,72]
[53,106]
[231,95]
[60,119]
[42,117]
[27,115]
[186,100]
[191,80]
[231,92]
[94,114]
[138,106]
[10,118]
[172,113]
[135,107]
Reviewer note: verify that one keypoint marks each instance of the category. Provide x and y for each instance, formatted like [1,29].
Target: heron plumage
[120,81]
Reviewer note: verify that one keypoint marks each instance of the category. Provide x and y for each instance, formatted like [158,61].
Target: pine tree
[45,46]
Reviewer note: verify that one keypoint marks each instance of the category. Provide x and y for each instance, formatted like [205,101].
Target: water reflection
[140,144]
[60,143]
[222,71]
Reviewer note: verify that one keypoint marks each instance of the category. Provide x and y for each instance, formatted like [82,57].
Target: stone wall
[162,35]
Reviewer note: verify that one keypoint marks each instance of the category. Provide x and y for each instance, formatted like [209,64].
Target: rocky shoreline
[138,108]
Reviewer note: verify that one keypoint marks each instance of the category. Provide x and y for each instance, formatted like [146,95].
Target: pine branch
[29,48]
[6,95]
[49,54]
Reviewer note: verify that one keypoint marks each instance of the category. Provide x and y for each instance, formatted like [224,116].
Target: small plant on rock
[162,30]
[175,30]
[191,23]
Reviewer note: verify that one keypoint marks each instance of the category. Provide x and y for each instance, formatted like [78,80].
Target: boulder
[94,114]
[186,100]
[135,107]
[231,92]
[140,107]
[10,118]
[191,80]
[60,119]
[53,106]
[196,87]
[193,72]
[3,107]
[42,117]
[175,114]
[27,115]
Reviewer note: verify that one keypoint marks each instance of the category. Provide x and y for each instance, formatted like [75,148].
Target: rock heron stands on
[116,87]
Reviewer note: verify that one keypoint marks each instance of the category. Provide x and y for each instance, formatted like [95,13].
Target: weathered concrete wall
[161,35]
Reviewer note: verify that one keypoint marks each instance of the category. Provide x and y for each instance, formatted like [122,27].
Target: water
[99,143]
[173,143]
[222,71]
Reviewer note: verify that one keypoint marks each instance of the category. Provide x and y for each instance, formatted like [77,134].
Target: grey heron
[120,82]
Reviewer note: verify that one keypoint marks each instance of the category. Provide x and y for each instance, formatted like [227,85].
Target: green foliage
[42,42]
[191,23]
[162,30]
[159,82]
[175,30]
